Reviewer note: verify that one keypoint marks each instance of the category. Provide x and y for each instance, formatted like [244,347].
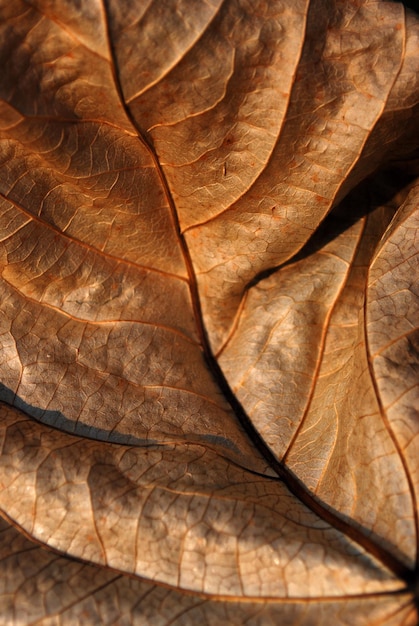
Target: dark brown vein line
[103,322]
[185,52]
[322,345]
[391,433]
[210,596]
[86,246]
[147,142]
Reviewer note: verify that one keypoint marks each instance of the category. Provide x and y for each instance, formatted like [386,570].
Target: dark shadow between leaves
[380,189]
[58,421]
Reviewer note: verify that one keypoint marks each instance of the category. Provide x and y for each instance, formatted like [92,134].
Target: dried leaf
[209,313]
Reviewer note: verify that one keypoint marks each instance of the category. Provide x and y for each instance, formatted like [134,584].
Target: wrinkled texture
[209,348]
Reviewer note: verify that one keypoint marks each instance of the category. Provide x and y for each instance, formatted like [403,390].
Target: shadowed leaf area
[209,347]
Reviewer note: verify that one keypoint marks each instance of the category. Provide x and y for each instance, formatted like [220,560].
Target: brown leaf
[208,321]
[37,582]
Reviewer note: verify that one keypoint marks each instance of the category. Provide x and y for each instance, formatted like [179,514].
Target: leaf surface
[209,313]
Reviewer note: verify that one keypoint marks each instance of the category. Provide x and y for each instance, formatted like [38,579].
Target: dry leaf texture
[209,348]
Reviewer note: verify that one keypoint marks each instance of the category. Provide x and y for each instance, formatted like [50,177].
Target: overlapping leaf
[209,354]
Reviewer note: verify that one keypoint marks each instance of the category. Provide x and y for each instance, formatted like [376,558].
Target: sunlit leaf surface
[209,347]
